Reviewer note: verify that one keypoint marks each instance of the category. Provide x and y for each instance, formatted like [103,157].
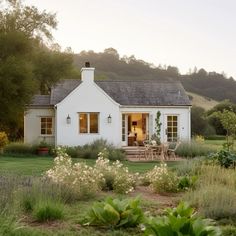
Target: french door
[171,128]
[124,128]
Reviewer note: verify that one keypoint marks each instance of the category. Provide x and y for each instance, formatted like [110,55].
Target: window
[88,123]
[46,125]
[123,127]
[83,123]
[172,128]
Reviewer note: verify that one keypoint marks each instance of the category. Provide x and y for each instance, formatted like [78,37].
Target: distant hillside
[109,65]
[200,101]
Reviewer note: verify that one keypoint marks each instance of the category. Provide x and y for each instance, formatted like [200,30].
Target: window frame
[172,138]
[46,127]
[88,122]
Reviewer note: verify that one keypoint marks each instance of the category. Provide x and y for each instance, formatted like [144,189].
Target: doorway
[135,128]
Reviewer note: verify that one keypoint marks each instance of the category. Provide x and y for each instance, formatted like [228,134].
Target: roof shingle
[125,92]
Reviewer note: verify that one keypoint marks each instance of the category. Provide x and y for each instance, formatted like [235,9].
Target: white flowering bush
[83,179]
[162,180]
[117,177]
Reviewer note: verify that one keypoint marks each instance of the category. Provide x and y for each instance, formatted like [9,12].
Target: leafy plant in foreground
[225,158]
[187,182]
[116,213]
[180,221]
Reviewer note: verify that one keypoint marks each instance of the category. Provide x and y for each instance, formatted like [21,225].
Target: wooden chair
[140,150]
[171,151]
[165,147]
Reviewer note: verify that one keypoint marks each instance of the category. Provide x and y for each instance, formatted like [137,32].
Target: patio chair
[165,147]
[148,151]
[140,150]
[171,151]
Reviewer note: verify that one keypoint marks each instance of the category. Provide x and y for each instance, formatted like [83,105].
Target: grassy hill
[200,101]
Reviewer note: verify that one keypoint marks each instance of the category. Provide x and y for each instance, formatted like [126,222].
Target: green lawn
[216,144]
[34,165]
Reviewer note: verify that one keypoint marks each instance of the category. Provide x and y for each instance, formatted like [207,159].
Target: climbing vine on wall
[157,128]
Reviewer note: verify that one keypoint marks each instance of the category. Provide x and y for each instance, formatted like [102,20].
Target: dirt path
[167,200]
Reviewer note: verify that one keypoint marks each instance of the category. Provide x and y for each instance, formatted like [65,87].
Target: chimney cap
[87,64]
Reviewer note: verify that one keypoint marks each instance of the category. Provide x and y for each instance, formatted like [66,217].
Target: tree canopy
[109,64]
[29,64]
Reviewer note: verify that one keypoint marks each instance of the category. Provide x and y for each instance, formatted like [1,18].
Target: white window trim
[47,135]
[178,127]
[88,123]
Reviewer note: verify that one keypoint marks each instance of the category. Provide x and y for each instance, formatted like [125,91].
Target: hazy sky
[182,33]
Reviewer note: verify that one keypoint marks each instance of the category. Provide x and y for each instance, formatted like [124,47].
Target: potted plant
[3,141]
[43,148]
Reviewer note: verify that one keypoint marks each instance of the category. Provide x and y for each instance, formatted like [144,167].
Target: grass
[74,212]
[48,210]
[35,166]
[201,101]
[215,194]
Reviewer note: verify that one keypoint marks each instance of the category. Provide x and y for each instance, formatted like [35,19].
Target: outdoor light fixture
[109,119]
[68,119]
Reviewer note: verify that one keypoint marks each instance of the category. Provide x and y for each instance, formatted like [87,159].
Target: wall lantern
[109,119]
[68,119]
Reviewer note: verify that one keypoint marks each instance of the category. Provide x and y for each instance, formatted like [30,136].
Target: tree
[27,64]
[198,123]
[26,19]
[50,66]
[214,119]
[228,121]
[16,79]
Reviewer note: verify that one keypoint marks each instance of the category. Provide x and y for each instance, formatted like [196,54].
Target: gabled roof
[146,93]
[124,92]
[62,89]
[41,100]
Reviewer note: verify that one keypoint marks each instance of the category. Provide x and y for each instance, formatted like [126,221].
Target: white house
[80,111]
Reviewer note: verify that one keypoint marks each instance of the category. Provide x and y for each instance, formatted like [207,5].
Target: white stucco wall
[87,97]
[183,113]
[32,125]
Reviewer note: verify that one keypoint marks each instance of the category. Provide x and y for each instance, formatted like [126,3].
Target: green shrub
[19,148]
[188,167]
[215,193]
[48,210]
[229,231]
[187,182]
[9,184]
[216,201]
[9,227]
[91,151]
[180,221]
[116,213]
[116,177]
[82,179]
[193,149]
[224,157]
[162,180]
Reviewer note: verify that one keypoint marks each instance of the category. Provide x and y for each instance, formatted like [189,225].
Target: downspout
[189,124]
[55,125]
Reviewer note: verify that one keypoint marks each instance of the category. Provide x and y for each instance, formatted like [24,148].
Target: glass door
[172,128]
[124,128]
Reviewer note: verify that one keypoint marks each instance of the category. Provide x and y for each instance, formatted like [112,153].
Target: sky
[182,33]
